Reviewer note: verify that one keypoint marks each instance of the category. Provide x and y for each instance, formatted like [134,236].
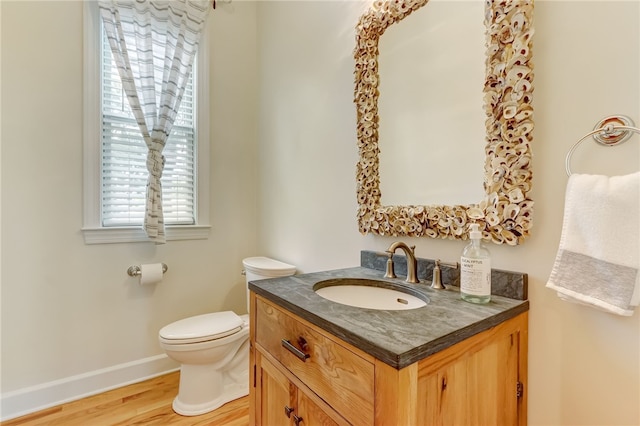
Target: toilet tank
[260,268]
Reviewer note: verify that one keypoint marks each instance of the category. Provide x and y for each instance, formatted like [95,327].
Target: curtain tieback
[155,163]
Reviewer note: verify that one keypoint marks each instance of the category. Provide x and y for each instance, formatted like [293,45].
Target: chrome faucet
[412,264]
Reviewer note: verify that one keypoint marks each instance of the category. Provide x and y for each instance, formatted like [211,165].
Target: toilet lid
[202,328]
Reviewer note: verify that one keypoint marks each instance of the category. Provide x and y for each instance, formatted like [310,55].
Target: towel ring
[606,133]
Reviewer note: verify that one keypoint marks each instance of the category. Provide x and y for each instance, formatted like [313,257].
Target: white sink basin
[370,294]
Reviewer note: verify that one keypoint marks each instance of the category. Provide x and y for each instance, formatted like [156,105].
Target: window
[124,156]
[115,153]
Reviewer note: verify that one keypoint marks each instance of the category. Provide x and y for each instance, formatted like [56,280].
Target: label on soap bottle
[475,276]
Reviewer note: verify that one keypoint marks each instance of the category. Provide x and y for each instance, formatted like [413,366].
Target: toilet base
[204,387]
[187,409]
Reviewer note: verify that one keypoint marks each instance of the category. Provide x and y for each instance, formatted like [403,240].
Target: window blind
[124,154]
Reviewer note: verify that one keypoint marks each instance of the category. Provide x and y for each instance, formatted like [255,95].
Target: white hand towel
[599,256]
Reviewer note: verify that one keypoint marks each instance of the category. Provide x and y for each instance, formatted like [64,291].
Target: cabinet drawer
[337,375]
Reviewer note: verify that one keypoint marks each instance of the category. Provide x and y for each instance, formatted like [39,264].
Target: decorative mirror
[505,211]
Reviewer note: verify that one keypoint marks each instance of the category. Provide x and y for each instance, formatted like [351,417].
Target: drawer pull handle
[297,420]
[297,352]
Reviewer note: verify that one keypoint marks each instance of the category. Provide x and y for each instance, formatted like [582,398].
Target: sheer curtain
[154,44]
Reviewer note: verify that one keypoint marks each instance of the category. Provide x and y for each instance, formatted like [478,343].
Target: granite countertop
[398,338]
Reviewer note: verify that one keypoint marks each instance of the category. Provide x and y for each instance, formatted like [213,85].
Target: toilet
[213,349]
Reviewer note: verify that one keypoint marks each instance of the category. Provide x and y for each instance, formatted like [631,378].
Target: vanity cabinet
[304,375]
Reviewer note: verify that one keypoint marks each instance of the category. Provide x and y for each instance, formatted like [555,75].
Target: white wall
[71,309]
[584,364]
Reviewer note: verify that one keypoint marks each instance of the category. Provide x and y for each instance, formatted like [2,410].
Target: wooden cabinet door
[479,388]
[277,395]
[282,403]
[311,414]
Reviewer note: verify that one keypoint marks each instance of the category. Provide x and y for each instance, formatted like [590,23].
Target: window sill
[137,234]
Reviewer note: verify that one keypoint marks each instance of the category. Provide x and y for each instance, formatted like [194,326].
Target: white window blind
[124,153]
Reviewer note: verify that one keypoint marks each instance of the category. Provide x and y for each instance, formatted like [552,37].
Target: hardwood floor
[144,403]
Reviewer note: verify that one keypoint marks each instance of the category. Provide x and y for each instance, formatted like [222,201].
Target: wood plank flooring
[144,403]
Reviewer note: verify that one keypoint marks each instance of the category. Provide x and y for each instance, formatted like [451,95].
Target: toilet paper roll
[150,273]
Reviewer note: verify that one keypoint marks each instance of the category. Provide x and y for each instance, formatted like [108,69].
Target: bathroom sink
[370,294]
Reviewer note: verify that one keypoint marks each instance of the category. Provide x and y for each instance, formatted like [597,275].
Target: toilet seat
[201,328]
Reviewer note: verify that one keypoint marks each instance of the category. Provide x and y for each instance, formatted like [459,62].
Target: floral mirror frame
[505,213]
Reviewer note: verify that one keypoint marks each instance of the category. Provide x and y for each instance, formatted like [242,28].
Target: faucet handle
[436,282]
[390,270]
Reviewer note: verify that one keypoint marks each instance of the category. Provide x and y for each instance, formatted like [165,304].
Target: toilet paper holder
[135,271]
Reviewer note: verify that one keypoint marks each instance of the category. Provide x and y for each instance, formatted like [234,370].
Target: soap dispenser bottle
[475,269]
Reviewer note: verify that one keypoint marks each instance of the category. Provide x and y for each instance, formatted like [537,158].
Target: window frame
[93,231]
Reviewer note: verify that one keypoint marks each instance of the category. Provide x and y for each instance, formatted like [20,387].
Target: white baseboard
[35,398]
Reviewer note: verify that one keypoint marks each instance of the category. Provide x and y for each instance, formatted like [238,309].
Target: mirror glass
[503,208]
[431,71]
